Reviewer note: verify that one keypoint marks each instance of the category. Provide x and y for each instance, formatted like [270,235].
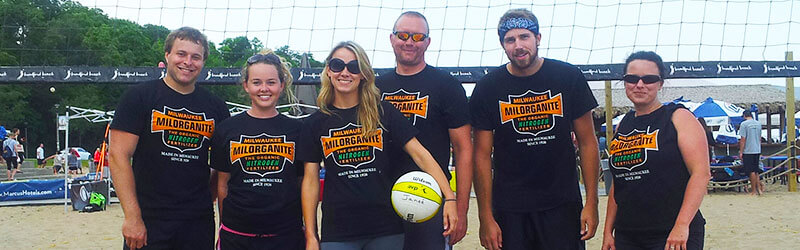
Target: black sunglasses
[417,37]
[337,65]
[647,79]
[272,58]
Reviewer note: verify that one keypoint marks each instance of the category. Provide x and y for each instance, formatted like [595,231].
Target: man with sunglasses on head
[436,104]
[165,127]
[523,113]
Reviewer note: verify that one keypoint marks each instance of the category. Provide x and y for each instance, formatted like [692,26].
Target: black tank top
[650,176]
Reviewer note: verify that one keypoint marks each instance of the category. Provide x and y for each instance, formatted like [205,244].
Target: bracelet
[446,200]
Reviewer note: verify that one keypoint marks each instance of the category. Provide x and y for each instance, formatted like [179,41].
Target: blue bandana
[517,23]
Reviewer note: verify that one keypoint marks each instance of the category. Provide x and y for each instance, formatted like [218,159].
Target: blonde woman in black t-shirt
[354,134]
[258,175]
[659,157]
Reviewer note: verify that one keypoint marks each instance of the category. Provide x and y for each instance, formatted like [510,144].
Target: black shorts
[750,163]
[56,168]
[290,241]
[39,161]
[555,228]
[178,234]
[11,162]
[655,239]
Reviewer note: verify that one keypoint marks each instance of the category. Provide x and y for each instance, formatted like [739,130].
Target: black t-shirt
[650,176]
[170,164]
[356,203]
[534,159]
[434,101]
[263,190]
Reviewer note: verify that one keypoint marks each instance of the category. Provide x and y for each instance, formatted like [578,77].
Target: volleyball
[416,197]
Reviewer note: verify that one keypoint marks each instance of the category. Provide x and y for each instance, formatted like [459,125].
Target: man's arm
[742,138]
[309,191]
[461,138]
[490,233]
[121,147]
[587,148]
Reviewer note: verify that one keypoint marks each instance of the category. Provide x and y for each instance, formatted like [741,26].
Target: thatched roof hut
[764,96]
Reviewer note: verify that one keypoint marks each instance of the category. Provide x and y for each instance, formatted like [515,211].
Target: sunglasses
[272,58]
[647,79]
[337,65]
[417,37]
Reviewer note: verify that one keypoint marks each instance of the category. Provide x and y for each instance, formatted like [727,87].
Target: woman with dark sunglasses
[659,159]
[355,133]
[258,184]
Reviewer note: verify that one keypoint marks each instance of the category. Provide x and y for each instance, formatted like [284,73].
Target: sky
[463,32]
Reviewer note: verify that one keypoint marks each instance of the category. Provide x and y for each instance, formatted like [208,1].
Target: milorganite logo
[532,112]
[262,154]
[349,148]
[630,151]
[410,104]
[181,129]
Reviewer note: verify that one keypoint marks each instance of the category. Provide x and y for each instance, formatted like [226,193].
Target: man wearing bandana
[523,115]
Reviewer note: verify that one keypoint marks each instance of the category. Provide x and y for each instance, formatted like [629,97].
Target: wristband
[446,200]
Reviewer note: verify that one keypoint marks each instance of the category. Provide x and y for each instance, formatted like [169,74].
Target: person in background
[96,157]
[20,151]
[709,138]
[10,155]
[660,163]
[750,151]
[40,156]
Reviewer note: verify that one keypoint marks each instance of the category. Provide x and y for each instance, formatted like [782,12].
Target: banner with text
[311,76]
[32,190]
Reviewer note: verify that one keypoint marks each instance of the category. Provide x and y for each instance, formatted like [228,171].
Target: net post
[790,134]
[609,115]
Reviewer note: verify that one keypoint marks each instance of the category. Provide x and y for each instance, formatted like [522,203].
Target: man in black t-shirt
[165,127]
[436,104]
[523,114]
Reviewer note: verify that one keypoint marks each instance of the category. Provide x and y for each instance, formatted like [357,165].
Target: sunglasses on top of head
[646,79]
[417,37]
[272,58]
[337,65]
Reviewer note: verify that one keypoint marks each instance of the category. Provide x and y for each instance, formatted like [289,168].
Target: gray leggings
[389,242]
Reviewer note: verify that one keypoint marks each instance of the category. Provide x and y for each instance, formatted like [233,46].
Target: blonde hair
[368,108]
[284,75]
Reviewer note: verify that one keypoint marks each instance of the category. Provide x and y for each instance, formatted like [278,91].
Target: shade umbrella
[689,104]
[719,113]
[797,119]
[726,135]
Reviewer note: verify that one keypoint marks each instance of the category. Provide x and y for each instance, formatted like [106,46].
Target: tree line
[62,33]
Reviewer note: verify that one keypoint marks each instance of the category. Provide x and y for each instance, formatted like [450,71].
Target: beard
[524,63]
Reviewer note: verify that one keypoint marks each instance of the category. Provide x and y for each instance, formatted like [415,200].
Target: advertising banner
[32,190]
[310,76]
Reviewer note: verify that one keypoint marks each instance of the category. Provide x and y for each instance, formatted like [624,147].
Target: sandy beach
[735,221]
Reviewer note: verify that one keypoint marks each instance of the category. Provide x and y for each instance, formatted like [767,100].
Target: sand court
[735,220]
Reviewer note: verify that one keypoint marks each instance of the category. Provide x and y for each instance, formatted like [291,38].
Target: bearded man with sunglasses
[523,113]
[436,104]
[165,126]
